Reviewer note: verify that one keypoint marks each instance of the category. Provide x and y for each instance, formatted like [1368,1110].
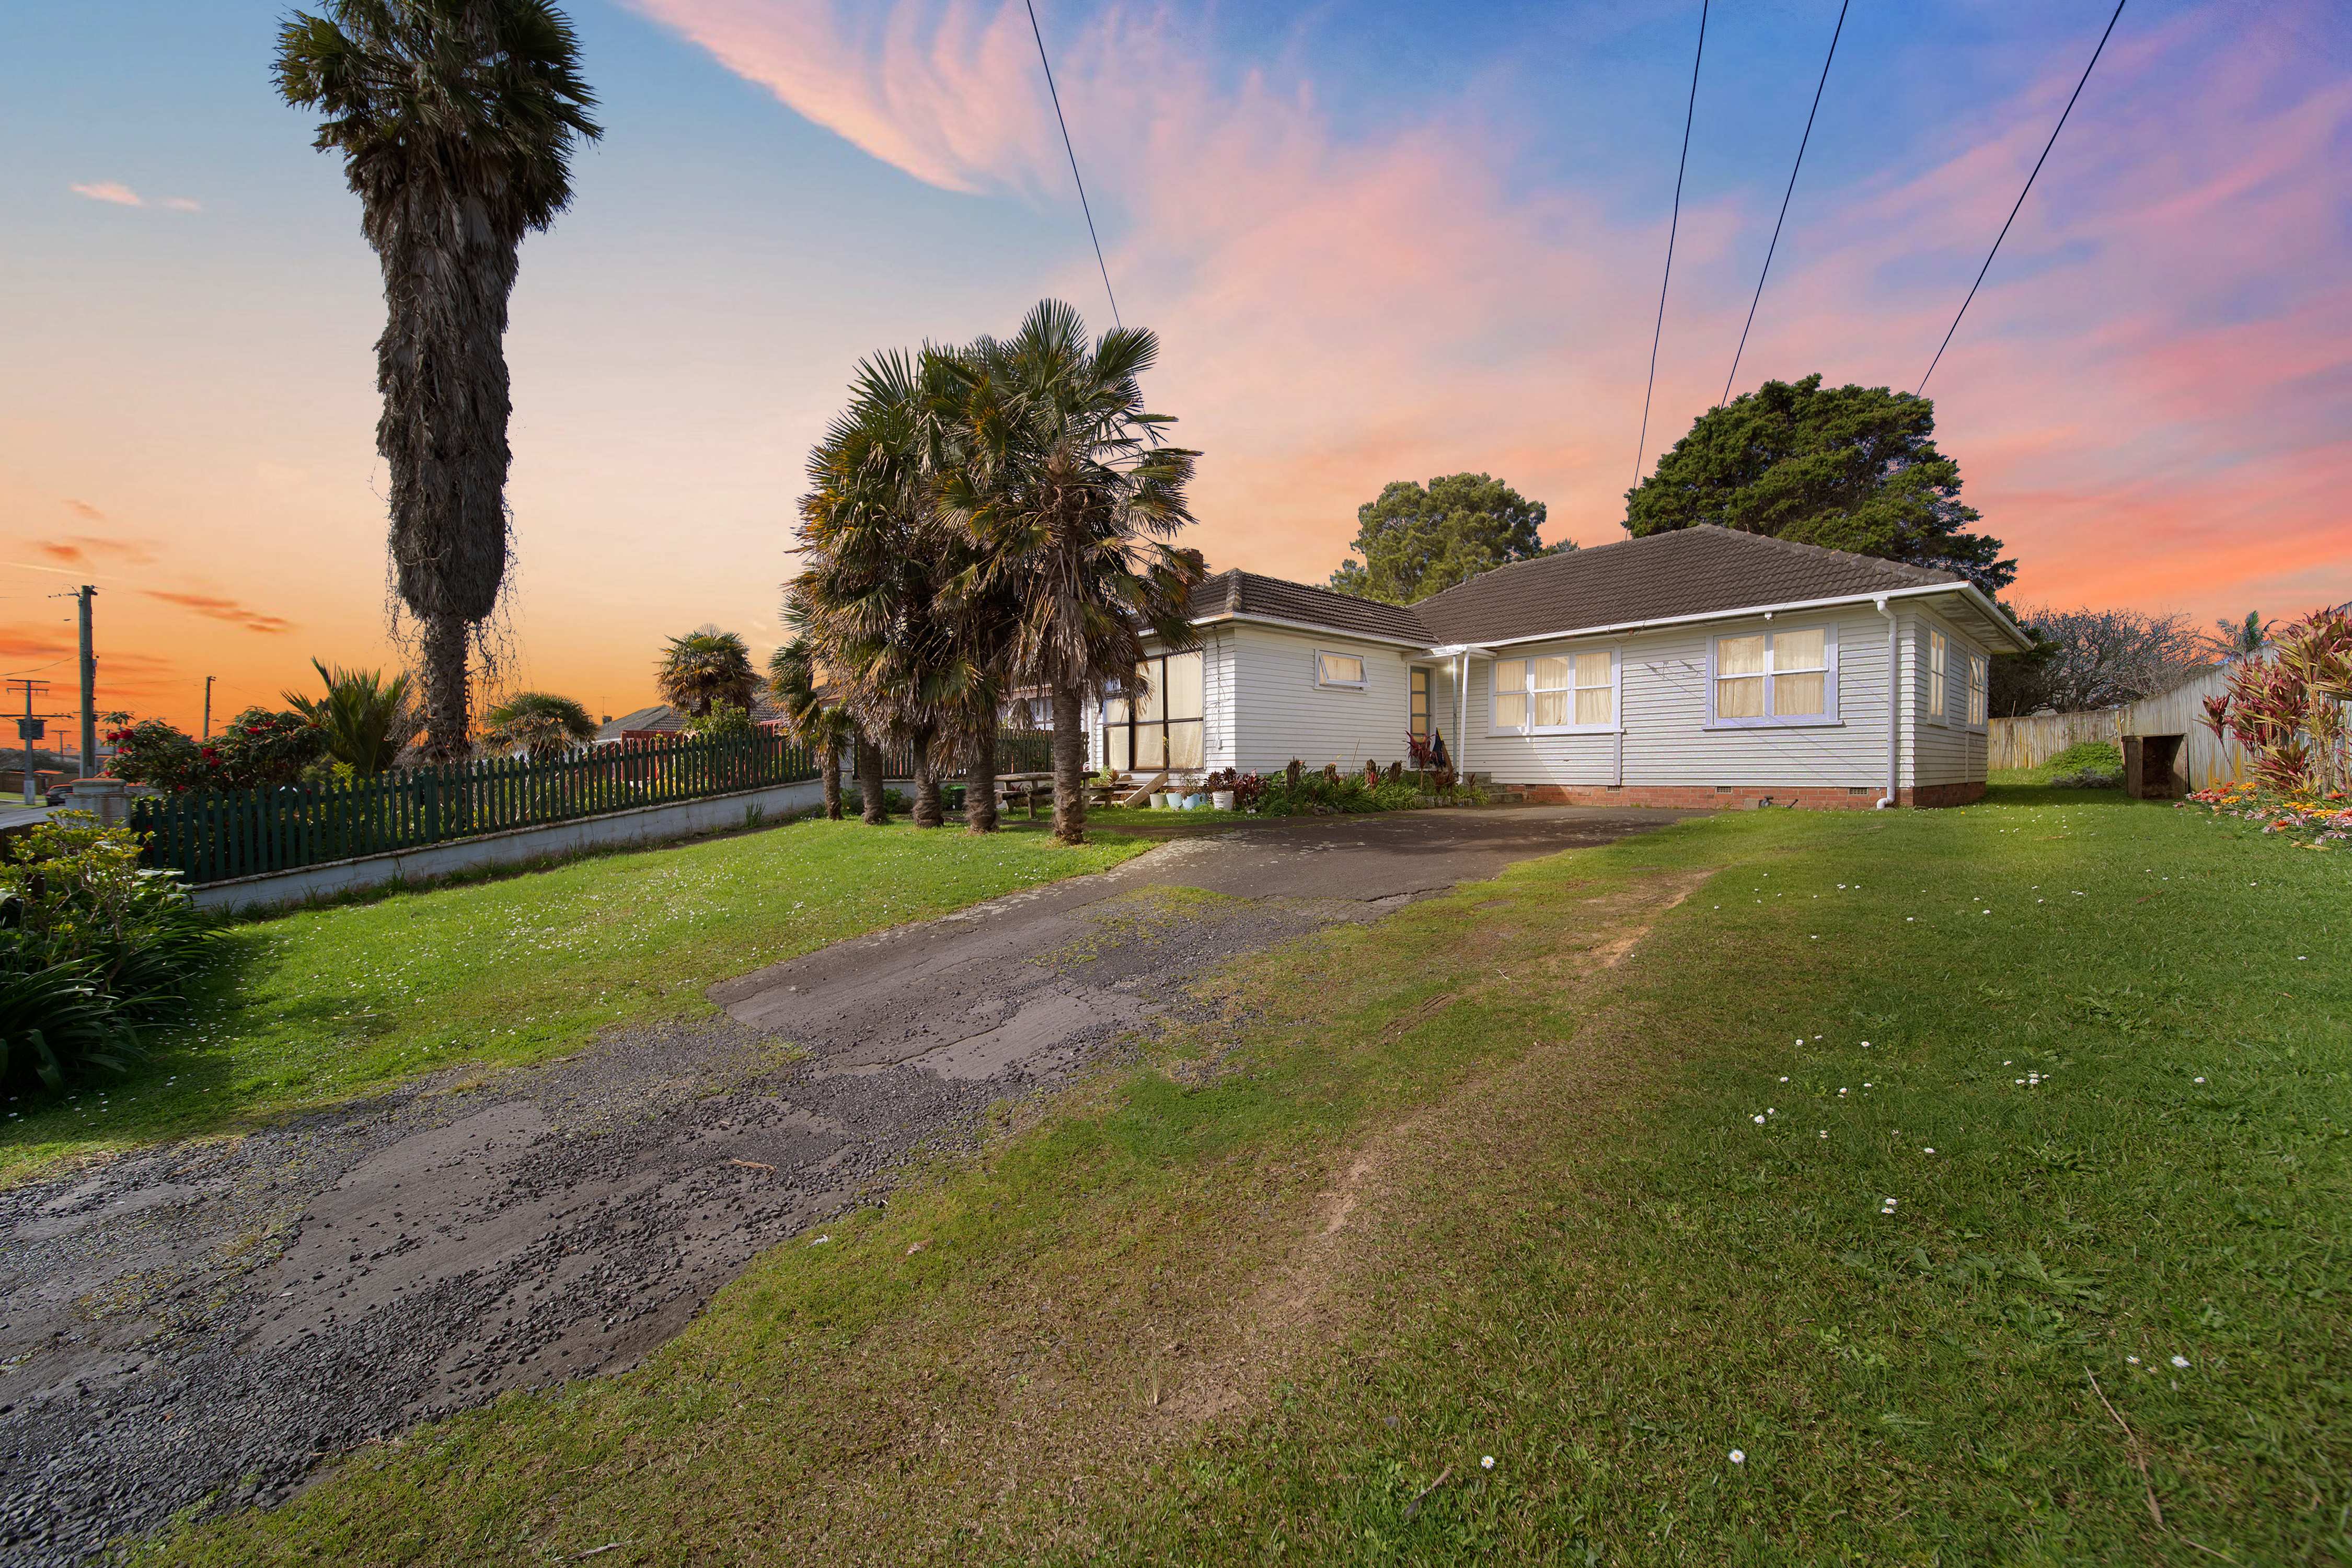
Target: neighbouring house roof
[1695,571]
[661,718]
[1689,572]
[1247,594]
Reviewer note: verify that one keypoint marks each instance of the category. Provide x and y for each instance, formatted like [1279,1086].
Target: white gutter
[1316,627]
[1966,589]
[1894,707]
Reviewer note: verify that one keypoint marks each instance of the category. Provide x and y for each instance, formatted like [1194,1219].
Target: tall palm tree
[456,120]
[1061,479]
[825,727]
[539,723]
[869,593]
[705,666]
[365,719]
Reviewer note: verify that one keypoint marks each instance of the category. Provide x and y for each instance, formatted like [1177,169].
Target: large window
[1939,674]
[1156,722]
[1775,678]
[1551,695]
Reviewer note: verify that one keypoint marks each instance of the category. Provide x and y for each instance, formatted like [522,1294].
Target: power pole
[29,730]
[208,705]
[89,688]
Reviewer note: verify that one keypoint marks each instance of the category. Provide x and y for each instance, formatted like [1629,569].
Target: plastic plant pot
[1159,800]
[1221,799]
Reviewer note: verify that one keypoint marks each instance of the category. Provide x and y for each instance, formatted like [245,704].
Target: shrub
[257,747]
[724,719]
[154,752]
[1323,795]
[91,947]
[1249,789]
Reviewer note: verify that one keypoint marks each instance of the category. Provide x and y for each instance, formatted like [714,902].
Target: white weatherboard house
[1700,668]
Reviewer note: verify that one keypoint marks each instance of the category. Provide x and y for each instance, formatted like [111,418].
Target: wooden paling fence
[2029,743]
[2205,761]
[213,835]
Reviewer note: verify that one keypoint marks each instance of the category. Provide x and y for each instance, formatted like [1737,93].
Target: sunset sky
[1378,241]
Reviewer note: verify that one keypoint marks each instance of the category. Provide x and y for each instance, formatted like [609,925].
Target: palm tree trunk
[828,758]
[1069,766]
[869,782]
[980,783]
[446,720]
[927,813]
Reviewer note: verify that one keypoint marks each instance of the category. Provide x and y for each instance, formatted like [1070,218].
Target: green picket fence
[213,835]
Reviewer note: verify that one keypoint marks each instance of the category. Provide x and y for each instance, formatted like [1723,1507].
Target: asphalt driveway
[204,1322]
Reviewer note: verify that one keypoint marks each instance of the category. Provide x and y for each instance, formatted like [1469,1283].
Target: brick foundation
[1741,797]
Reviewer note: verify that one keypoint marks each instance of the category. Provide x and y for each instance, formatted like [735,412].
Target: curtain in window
[1510,694]
[1739,666]
[1595,698]
[1800,673]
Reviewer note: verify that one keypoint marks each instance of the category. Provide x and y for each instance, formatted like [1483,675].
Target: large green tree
[1851,468]
[456,120]
[1068,490]
[1416,541]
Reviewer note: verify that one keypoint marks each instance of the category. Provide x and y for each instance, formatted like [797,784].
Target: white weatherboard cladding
[1664,677]
[1949,752]
[1279,712]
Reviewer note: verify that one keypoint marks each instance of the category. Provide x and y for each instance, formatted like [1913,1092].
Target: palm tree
[1058,475]
[539,723]
[705,666]
[456,120]
[825,728]
[873,563]
[366,721]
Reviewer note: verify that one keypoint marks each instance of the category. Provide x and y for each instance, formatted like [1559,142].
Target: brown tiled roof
[1240,593]
[1688,572]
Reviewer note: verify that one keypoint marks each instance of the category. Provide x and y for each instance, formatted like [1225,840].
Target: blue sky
[1379,241]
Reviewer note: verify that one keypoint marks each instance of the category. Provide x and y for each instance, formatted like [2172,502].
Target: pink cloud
[2130,395]
[941,90]
[123,195]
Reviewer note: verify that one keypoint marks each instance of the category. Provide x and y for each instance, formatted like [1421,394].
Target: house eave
[1968,591]
[1316,627]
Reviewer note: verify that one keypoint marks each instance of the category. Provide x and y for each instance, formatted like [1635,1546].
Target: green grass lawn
[334,1001]
[2038,1238]
[2104,755]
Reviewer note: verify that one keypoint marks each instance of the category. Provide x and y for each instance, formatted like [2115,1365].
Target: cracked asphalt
[200,1325]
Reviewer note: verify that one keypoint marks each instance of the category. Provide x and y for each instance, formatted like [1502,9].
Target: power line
[2021,199]
[1672,226]
[1055,93]
[1791,191]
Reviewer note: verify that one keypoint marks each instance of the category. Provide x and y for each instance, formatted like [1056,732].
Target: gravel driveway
[204,1322]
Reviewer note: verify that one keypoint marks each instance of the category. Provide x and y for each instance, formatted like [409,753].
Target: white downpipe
[1893,708]
[1461,707]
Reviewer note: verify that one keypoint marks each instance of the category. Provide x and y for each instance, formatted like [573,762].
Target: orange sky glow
[2147,399]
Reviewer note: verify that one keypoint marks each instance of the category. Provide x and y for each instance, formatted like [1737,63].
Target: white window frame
[1936,660]
[1616,695]
[1978,708]
[1363,665]
[1829,718]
